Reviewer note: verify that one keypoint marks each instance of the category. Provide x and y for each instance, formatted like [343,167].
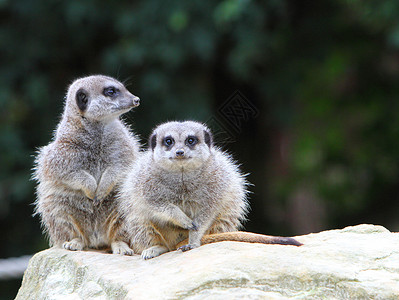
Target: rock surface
[359,262]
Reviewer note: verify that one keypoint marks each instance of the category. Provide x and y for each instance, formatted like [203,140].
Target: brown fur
[247,237]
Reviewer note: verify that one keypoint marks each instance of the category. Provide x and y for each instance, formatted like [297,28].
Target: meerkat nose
[136,101]
[179,153]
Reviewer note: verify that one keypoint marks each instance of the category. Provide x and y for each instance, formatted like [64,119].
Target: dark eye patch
[168,142]
[153,141]
[208,138]
[191,141]
[111,92]
[82,99]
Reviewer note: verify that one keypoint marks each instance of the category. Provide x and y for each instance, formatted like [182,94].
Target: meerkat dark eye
[111,91]
[191,141]
[168,141]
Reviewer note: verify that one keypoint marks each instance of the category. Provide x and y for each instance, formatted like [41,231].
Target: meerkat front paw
[191,226]
[187,247]
[121,248]
[153,252]
[74,245]
[89,186]
[101,194]
[106,184]
[89,194]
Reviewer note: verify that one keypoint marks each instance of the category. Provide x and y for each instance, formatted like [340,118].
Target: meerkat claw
[187,247]
[97,201]
[193,227]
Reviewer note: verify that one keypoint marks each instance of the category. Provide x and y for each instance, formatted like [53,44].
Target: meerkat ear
[208,138]
[153,141]
[82,99]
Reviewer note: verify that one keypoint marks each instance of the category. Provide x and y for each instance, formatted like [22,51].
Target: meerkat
[79,171]
[184,187]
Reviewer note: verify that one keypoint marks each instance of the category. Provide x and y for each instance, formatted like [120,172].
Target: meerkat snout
[180,153]
[136,101]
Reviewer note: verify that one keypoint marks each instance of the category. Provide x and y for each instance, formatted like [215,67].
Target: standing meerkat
[79,171]
[184,187]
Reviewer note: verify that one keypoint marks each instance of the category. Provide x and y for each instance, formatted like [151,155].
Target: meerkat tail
[247,237]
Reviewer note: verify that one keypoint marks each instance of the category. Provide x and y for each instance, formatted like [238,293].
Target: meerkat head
[99,98]
[180,146]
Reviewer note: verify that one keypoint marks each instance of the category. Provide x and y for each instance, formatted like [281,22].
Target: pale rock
[359,262]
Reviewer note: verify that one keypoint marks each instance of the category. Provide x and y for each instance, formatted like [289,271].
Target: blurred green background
[323,77]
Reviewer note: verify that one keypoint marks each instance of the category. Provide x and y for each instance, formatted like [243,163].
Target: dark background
[304,94]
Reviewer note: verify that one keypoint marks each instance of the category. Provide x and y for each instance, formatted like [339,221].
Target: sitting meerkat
[79,171]
[184,187]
